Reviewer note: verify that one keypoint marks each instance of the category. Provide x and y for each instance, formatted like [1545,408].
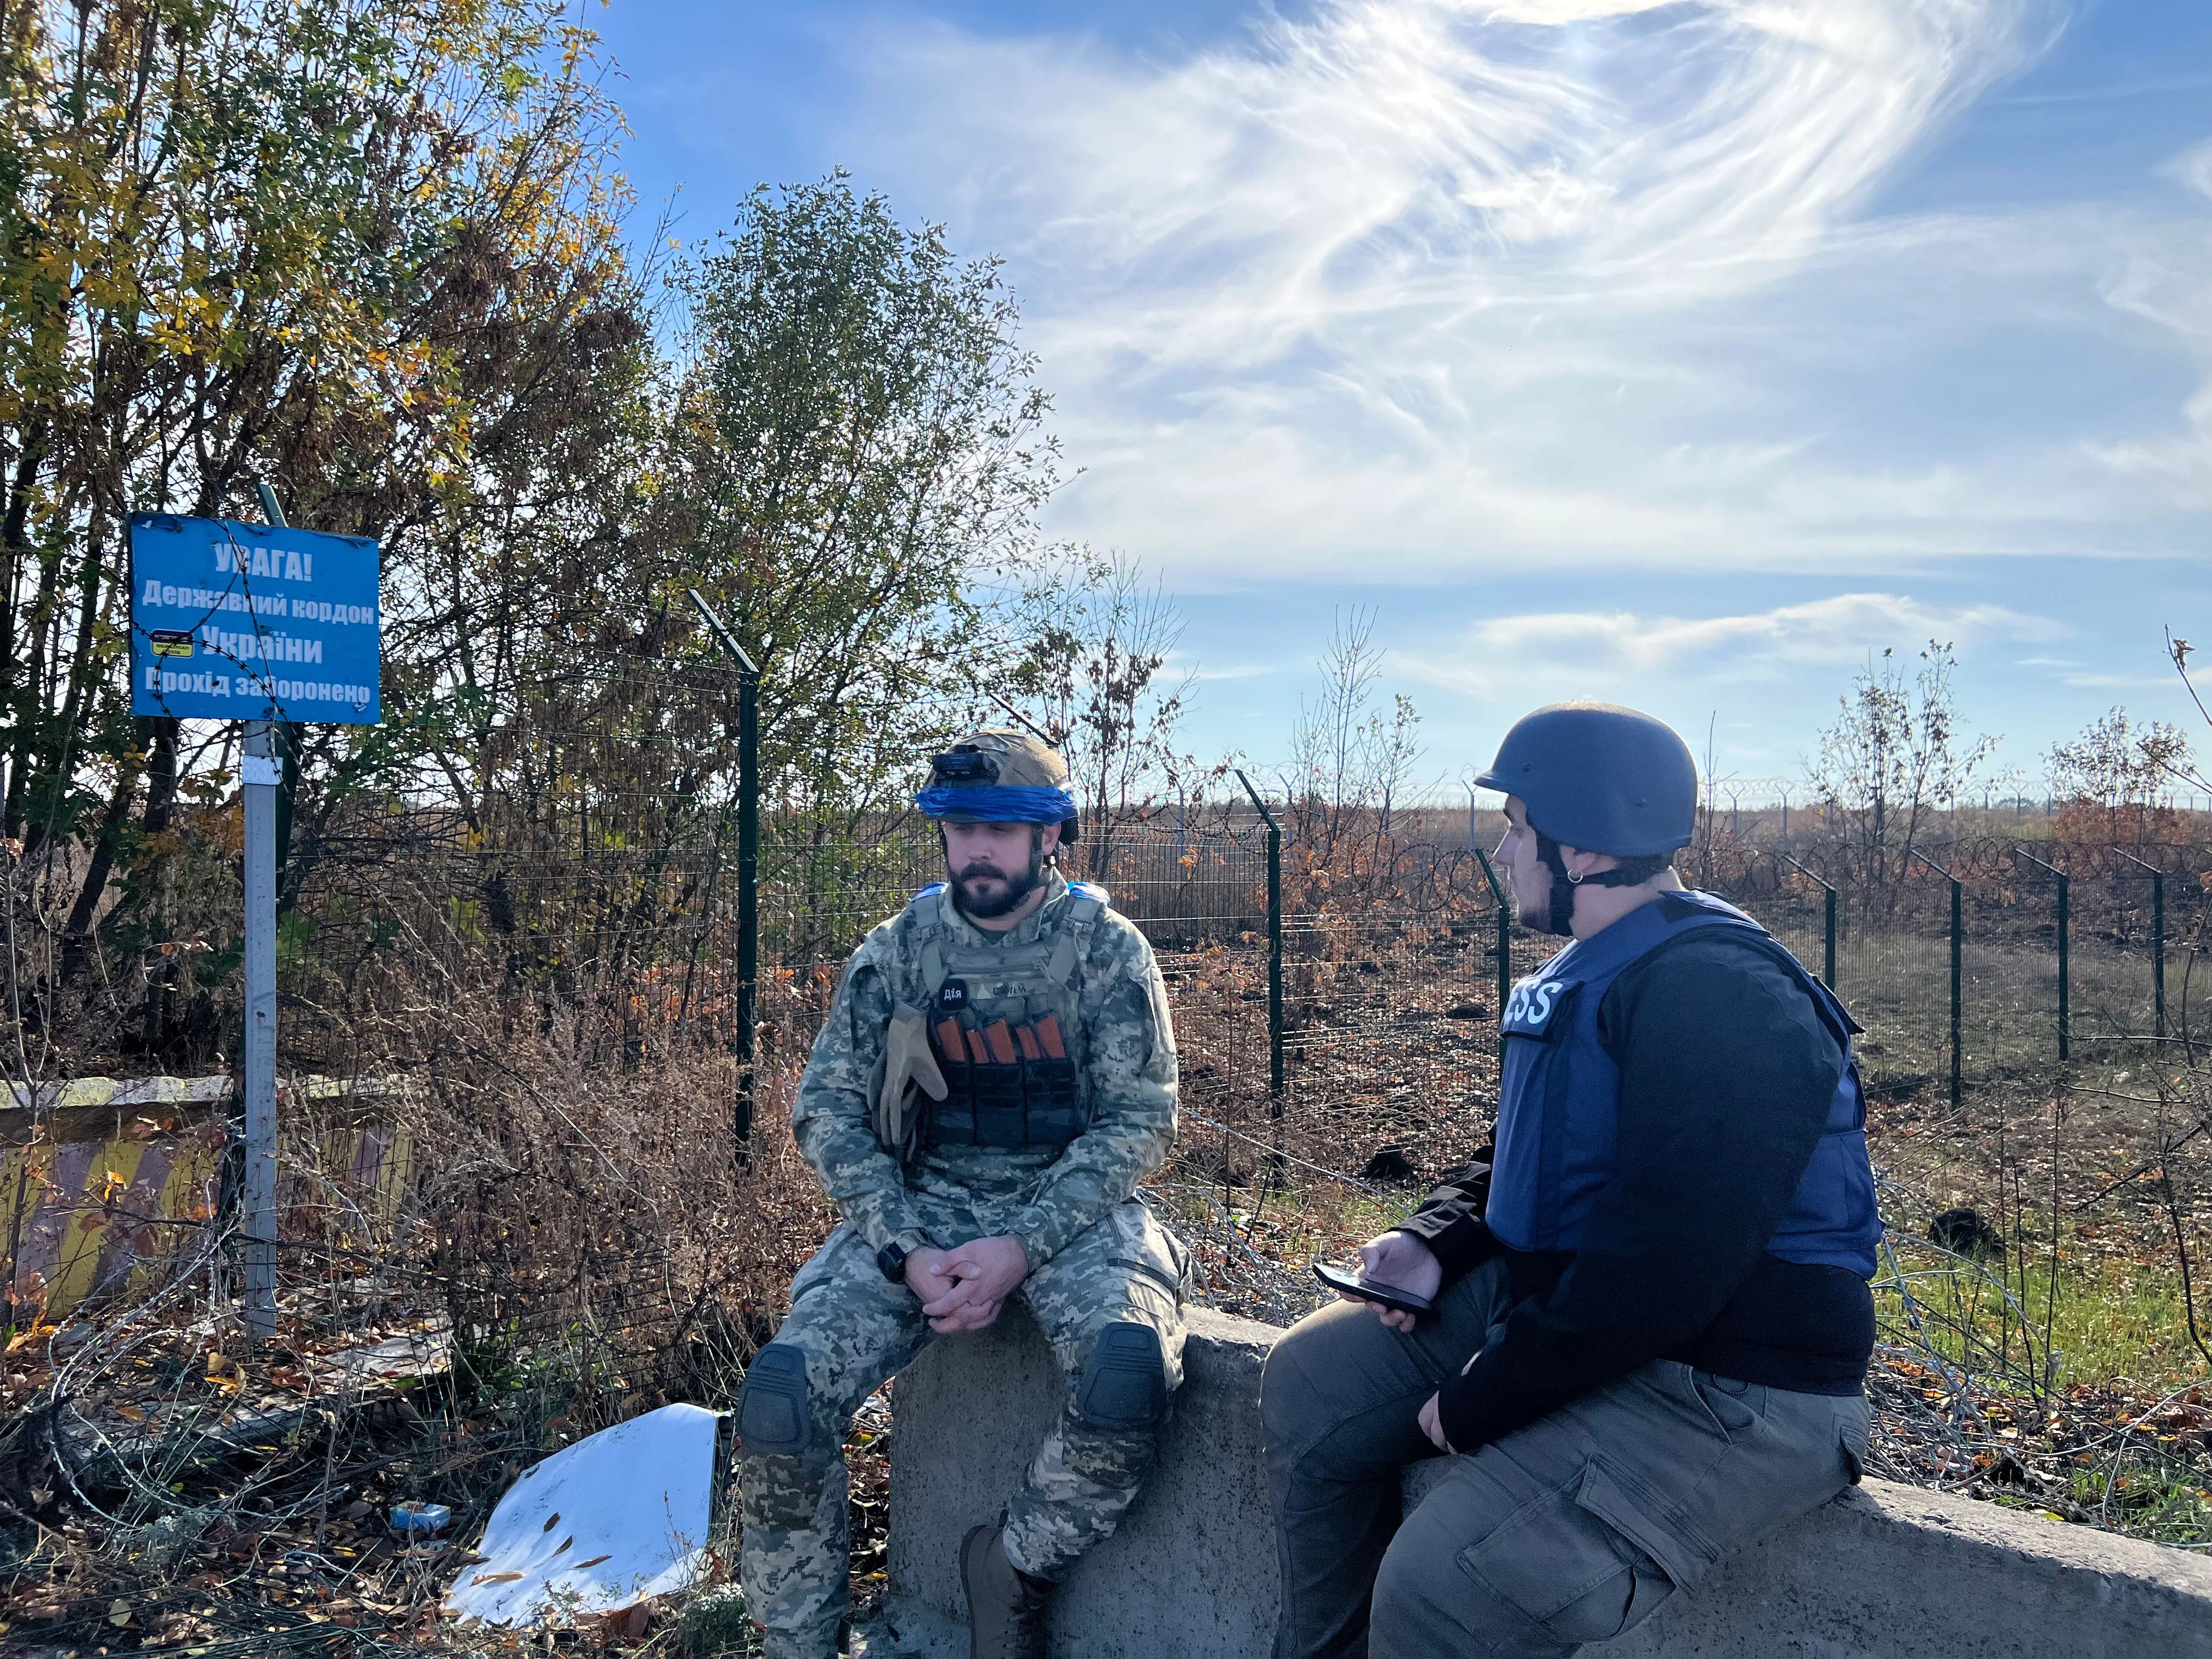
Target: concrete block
[1899,1572]
[1883,1572]
[1192,1570]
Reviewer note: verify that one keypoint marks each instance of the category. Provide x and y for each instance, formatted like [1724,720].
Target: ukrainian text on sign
[252,622]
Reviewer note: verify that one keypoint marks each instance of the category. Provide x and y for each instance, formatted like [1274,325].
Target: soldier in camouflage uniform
[997,1074]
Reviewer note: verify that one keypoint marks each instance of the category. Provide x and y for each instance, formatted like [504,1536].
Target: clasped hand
[963,1288]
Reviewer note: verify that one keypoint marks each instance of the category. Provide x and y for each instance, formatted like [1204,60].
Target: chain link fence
[544,1014]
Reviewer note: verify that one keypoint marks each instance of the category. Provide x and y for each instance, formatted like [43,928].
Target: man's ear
[1048,840]
[1580,863]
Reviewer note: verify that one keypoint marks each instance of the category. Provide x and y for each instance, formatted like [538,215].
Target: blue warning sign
[252,622]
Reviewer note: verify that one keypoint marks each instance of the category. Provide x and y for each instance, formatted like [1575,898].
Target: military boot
[1005,1606]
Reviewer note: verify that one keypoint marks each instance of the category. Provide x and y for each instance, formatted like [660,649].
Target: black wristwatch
[890,1261]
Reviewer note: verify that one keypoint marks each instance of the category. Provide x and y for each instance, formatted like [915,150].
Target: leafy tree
[1897,755]
[1352,760]
[365,247]
[2118,767]
[1094,641]
[858,455]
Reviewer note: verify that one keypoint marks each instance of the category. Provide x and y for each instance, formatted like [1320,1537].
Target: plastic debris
[420,1518]
[597,1527]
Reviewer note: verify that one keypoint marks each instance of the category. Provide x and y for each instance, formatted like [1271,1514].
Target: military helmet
[1600,777]
[999,775]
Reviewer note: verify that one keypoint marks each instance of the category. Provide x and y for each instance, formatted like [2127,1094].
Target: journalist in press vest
[1651,1317]
[996,1075]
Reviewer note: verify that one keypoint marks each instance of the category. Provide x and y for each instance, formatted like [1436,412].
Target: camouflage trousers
[855,1328]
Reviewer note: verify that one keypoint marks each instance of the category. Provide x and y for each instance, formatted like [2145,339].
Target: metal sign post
[263,774]
[265,624]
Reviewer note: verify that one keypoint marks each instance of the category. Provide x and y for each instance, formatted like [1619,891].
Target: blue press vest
[1559,1110]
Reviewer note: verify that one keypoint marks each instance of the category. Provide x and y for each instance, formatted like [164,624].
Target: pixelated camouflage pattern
[1096,1256]
[856,1328]
[1125,1051]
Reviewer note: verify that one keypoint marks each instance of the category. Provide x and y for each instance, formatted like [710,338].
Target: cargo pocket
[1158,1281]
[1852,1437]
[1681,1551]
[1726,1400]
[1584,1565]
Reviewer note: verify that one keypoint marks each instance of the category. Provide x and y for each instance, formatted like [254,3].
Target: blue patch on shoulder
[1091,889]
[933,887]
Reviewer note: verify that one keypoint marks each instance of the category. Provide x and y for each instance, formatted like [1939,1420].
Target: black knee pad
[1125,1385]
[771,1405]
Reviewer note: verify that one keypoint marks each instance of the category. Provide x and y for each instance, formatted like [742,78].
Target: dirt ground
[233,1501]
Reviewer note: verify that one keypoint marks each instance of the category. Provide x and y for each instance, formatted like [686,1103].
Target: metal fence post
[1505,945]
[748,895]
[1828,909]
[2065,889]
[2065,885]
[741,1113]
[1958,977]
[1275,1079]
[1828,919]
[1958,988]
[2157,938]
[2157,947]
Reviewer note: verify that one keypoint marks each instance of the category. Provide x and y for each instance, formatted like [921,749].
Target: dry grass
[582,1229]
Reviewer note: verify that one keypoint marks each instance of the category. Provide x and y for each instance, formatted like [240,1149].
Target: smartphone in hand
[1347,1281]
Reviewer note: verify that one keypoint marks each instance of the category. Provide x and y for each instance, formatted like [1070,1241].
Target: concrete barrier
[1886,1571]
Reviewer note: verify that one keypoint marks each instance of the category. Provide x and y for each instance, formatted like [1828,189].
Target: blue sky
[1681,354]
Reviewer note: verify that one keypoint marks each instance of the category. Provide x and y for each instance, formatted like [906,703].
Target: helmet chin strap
[1560,917]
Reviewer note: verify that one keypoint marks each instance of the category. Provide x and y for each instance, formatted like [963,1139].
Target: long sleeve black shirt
[1727,1069]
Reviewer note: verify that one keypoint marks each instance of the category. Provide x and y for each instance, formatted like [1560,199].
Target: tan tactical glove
[907,1061]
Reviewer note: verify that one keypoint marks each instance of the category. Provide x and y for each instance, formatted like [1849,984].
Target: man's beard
[1534,914]
[1018,887]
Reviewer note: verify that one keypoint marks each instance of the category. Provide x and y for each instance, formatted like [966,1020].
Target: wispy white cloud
[1586,654]
[1410,287]
[2166,279]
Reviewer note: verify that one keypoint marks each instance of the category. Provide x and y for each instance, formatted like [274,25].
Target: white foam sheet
[599,1526]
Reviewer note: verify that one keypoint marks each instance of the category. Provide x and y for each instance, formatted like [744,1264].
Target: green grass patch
[2113,1323]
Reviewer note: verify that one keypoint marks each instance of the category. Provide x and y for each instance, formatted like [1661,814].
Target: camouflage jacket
[1128,1059]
